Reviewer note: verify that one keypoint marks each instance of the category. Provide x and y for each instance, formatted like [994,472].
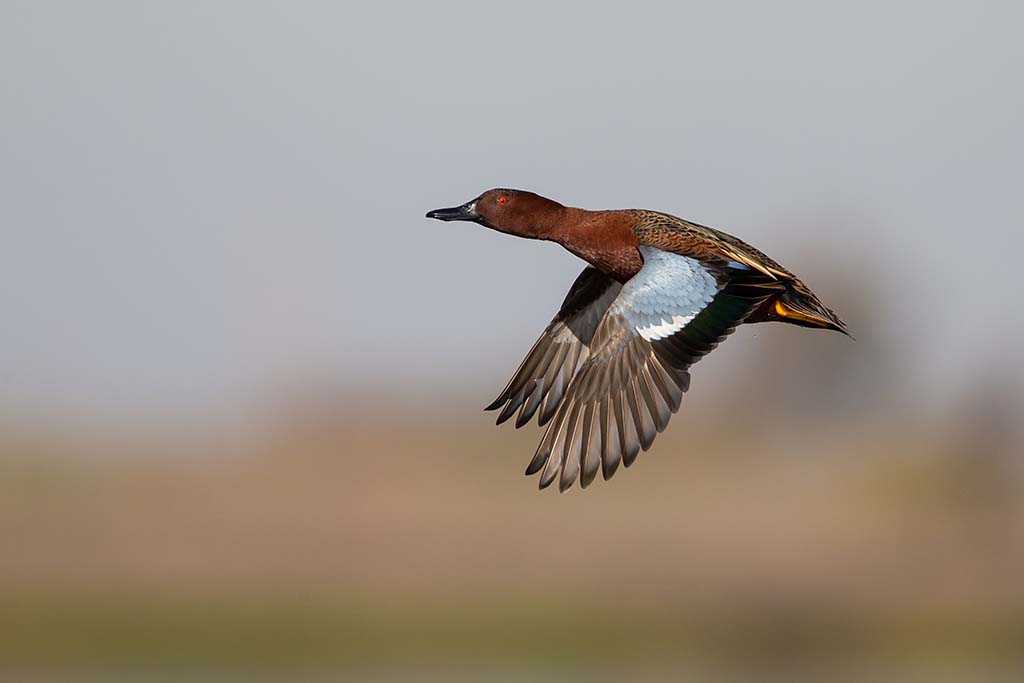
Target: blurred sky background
[213,243]
[204,199]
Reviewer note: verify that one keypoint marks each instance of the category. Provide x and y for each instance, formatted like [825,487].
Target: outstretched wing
[548,368]
[669,315]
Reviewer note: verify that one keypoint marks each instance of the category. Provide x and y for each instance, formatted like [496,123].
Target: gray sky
[202,200]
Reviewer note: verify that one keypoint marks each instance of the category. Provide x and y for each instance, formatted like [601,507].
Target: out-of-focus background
[241,375]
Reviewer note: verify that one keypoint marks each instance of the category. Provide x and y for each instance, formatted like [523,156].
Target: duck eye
[503,200]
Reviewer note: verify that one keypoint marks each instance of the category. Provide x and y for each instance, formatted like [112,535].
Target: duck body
[659,293]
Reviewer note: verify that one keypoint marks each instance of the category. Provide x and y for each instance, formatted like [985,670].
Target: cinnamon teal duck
[659,294]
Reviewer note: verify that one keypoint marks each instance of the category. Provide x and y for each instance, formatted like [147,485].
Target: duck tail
[798,305]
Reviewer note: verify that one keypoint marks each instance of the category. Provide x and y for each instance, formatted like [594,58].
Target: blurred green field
[348,548]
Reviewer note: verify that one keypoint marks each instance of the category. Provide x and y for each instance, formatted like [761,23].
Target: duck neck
[546,223]
[605,239]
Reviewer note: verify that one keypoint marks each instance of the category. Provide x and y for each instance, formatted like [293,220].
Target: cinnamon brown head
[516,212]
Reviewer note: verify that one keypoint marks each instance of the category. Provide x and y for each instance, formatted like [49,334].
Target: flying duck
[659,294]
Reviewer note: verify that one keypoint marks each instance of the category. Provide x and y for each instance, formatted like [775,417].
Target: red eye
[503,200]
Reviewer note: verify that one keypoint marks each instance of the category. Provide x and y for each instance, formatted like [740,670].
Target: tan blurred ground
[331,540]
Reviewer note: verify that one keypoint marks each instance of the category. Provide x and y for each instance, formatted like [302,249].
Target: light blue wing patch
[668,292]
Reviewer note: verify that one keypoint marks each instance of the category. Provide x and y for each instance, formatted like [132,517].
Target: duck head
[516,212]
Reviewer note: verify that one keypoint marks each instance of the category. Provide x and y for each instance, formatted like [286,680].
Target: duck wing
[673,312]
[548,369]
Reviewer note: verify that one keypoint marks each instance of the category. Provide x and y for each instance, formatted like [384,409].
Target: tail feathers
[799,306]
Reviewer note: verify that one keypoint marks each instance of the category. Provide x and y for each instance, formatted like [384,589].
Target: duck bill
[466,212]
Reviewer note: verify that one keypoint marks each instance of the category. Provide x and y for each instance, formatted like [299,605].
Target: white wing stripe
[665,328]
